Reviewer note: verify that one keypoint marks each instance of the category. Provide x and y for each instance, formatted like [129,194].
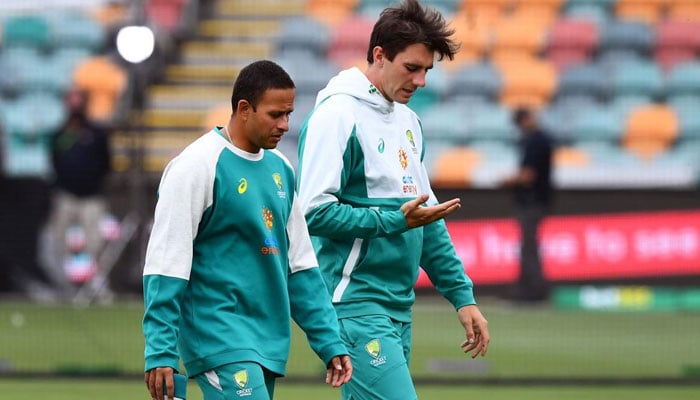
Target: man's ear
[378,55]
[243,109]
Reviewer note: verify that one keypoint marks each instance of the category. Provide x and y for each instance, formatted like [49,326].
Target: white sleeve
[321,162]
[301,251]
[184,193]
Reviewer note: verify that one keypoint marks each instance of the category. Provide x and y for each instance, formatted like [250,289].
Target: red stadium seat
[349,40]
[677,41]
[571,42]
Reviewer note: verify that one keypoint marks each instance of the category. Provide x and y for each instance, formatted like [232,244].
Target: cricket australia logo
[278,181]
[374,349]
[403,158]
[240,378]
[409,136]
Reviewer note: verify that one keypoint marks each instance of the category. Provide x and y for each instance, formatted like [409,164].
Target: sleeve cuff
[327,353]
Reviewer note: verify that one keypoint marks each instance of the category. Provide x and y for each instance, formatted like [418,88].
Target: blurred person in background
[81,161]
[532,196]
[372,214]
[229,260]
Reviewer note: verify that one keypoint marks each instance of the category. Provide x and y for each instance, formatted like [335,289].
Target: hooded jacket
[360,159]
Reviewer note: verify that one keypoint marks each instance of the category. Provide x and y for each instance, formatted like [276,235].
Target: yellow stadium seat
[453,169]
[647,11]
[650,130]
[527,82]
[105,82]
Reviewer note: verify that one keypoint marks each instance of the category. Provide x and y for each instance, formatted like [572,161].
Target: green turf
[525,342]
[111,389]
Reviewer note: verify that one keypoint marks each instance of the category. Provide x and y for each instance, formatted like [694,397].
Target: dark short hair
[410,23]
[521,114]
[255,78]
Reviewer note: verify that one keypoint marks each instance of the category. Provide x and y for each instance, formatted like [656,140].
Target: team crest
[374,348]
[278,180]
[409,135]
[241,378]
[380,147]
[267,217]
[242,185]
[403,158]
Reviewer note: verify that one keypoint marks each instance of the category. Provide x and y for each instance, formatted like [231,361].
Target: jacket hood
[353,82]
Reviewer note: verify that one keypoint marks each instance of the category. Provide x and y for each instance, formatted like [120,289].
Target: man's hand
[154,379]
[339,371]
[477,330]
[416,215]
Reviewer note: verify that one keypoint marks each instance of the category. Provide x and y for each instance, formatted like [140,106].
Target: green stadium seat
[479,79]
[26,30]
[637,78]
[684,79]
[598,123]
[689,118]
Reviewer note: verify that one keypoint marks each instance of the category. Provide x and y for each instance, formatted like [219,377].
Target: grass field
[117,390]
[530,344]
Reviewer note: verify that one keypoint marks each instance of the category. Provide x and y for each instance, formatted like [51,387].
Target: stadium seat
[544,12]
[165,14]
[490,123]
[647,11]
[76,30]
[453,169]
[446,122]
[516,38]
[586,79]
[558,116]
[597,123]
[26,30]
[484,12]
[33,116]
[650,130]
[637,78]
[310,73]
[302,33]
[627,36]
[473,36]
[27,160]
[686,10]
[596,11]
[571,42]
[480,79]
[623,104]
[349,40]
[330,12]
[677,41]
[105,83]
[686,108]
[684,79]
[570,156]
[528,83]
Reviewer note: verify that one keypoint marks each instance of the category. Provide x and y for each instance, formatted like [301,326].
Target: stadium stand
[591,67]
